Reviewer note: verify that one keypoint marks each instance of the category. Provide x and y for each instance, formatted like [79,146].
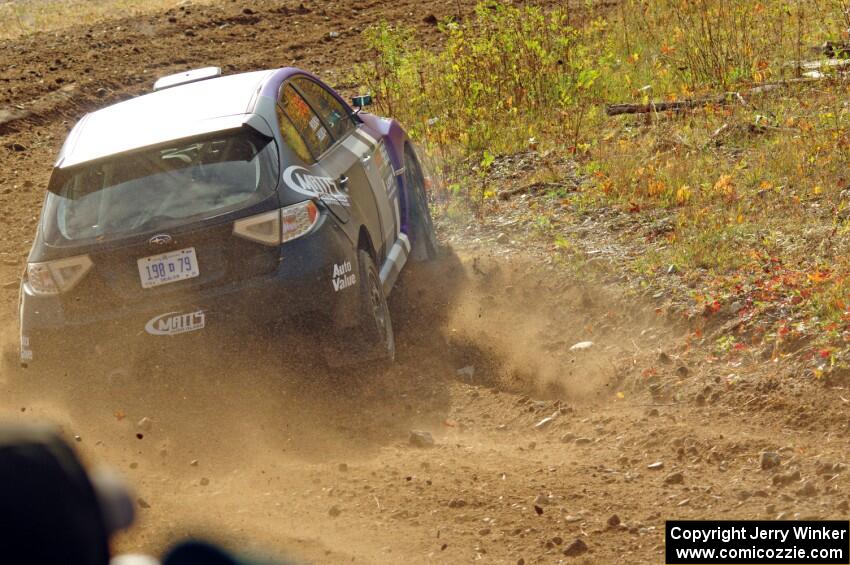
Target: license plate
[168,268]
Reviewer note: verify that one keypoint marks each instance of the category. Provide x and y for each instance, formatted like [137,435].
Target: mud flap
[396,259]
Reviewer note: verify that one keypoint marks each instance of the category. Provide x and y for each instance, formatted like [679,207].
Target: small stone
[421,439]
[194,463]
[770,459]
[484,532]
[808,489]
[583,441]
[204,481]
[613,521]
[568,437]
[334,511]
[142,503]
[134,465]
[576,548]
[541,500]
[343,467]
[545,422]
[78,438]
[788,478]
[676,478]
[333,34]
[503,238]
[582,346]
[144,424]
[538,509]
[657,466]
[682,371]
[457,503]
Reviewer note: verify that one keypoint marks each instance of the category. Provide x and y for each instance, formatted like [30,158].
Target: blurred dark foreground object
[201,553]
[53,513]
[51,510]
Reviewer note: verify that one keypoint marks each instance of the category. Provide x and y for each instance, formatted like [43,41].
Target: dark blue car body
[339,174]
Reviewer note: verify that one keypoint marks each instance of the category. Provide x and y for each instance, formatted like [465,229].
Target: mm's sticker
[173,323]
[343,277]
[302,180]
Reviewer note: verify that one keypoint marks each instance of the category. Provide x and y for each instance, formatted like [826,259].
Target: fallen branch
[652,107]
[719,100]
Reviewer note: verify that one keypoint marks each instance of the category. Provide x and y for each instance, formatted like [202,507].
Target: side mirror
[361,102]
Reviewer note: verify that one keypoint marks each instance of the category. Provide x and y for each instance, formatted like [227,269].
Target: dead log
[675,105]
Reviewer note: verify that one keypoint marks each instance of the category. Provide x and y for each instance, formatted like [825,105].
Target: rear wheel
[424,240]
[376,326]
[372,339]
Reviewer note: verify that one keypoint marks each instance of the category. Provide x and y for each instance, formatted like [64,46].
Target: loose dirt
[537,443]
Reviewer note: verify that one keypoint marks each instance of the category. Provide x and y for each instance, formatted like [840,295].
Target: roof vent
[186,77]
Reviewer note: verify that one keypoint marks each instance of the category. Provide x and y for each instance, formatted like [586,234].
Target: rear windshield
[160,188]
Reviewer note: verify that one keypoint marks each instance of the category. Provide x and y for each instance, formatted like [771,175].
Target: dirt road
[536,444]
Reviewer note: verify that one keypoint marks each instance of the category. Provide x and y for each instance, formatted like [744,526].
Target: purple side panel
[394,136]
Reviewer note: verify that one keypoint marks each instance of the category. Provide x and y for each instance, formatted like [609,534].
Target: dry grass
[757,192]
[22,17]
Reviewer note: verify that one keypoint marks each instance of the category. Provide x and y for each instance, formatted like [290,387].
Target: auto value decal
[173,323]
[302,180]
[343,277]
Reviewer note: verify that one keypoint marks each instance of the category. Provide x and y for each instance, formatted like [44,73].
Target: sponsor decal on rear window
[173,323]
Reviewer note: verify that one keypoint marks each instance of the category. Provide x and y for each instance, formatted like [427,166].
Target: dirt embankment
[537,442]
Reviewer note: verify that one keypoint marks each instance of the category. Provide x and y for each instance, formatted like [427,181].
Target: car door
[355,153]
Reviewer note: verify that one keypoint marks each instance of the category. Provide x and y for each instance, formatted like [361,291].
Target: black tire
[376,326]
[372,339]
[423,239]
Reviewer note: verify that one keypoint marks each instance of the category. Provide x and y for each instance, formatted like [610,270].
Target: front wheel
[424,240]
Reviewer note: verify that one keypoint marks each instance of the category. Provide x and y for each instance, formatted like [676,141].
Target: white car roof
[174,113]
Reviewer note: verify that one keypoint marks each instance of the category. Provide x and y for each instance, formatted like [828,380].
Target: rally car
[260,195]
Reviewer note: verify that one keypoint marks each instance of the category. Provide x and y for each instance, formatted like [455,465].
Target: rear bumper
[303,284]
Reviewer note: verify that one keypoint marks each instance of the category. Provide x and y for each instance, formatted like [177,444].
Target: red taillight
[60,275]
[279,226]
